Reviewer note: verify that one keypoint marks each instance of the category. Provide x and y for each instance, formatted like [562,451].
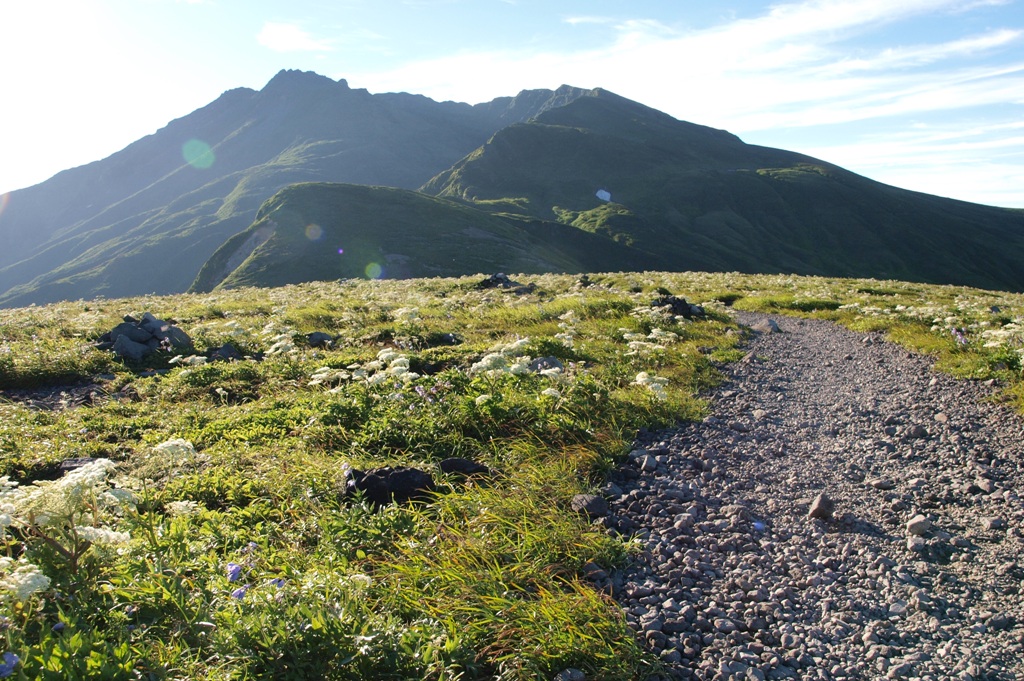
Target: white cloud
[281,37]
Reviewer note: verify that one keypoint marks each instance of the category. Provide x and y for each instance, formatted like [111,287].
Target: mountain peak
[294,79]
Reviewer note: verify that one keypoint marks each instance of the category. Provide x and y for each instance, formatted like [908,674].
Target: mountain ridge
[683,196]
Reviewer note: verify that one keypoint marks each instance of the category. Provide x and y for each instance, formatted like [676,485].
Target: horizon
[923,96]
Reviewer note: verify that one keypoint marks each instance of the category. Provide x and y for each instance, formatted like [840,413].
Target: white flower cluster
[504,359]
[191,360]
[656,314]
[282,339]
[46,502]
[20,579]
[568,327]
[407,315]
[656,384]
[655,341]
[101,535]
[182,508]
[390,364]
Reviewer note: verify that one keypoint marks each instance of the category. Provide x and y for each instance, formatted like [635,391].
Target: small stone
[883,484]
[760,414]
[919,525]
[648,463]
[822,507]
[570,674]
[918,432]
[593,505]
[917,544]
[993,523]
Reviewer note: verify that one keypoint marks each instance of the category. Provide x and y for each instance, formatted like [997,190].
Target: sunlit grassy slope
[246,561]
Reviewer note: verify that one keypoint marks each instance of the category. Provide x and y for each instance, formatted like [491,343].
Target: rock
[883,484]
[919,525]
[384,485]
[132,331]
[917,544]
[593,505]
[648,463]
[570,674]
[917,432]
[226,352]
[464,467]
[993,523]
[678,306]
[319,339]
[542,363]
[822,507]
[130,350]
[767,326]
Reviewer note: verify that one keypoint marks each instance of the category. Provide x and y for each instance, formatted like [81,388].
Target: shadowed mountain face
[146,219]
[566,180]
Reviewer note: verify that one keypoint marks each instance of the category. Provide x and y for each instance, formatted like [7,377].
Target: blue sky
[923,94]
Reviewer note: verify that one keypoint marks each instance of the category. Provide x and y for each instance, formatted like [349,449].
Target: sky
[922,94]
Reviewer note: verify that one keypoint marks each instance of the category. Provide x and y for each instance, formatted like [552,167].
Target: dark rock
[542,363]
[678,306]
[133,332]
[502,280]
[822,507]
[384,485]
[593,505]
[319,339]
[226,352]
[129,349]
[465,467]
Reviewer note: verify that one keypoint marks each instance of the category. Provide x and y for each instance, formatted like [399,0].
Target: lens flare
[4,200]
[374,271]
[314,232]
[341,251]
[198,154]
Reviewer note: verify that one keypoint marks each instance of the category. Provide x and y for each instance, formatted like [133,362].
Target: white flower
[551,392]
[182,508]
[20,579]
[101,535]
[482,399]
[176,448]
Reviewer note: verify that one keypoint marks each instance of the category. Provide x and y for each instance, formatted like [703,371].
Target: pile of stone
[678,306]
[135,339]
[503,281]
[402,484]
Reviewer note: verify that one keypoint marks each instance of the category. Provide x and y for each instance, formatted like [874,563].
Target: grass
[485,578]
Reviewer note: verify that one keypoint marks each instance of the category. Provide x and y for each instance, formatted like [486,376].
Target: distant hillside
[314,232]
[704,200]
[565,180]
[145,220]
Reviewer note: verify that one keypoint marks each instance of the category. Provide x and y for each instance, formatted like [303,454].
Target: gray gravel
[909,566]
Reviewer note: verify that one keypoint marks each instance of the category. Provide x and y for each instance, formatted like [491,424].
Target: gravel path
[913,569]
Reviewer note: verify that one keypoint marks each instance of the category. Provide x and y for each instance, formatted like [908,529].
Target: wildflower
[101,535]
[58,627]
[176,448]
[182,508]
[234,571]
[551,392]
[959,336]
[239,593]
[7,666]
[20,579]
[279,582]
[482,399]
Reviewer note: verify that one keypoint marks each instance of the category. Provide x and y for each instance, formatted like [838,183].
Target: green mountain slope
[703,199]
[311,232]
[145,220]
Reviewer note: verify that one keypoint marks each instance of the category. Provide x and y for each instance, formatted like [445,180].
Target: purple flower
[279,582]
[959,336]
[239,593]
[7,666]
[234,572]
[57,628]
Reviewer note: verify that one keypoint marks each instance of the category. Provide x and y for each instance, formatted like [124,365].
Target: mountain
[565,180]
[324,231]
[704,200]
[146,220]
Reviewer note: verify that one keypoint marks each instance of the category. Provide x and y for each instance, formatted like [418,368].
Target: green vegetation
[213,536]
